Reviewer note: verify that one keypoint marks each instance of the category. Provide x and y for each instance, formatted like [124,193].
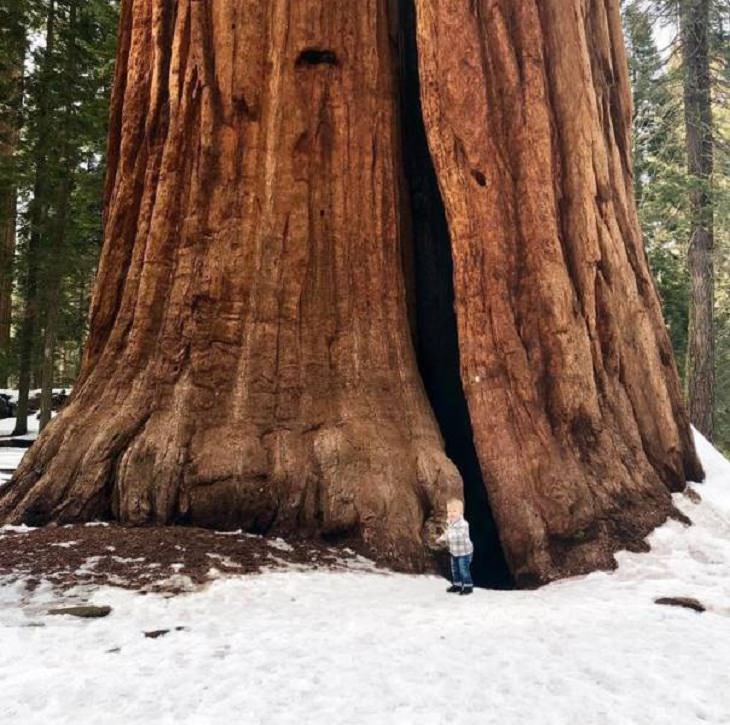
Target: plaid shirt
[457,537]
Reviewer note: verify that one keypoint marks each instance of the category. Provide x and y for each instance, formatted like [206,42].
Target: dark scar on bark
[316,56]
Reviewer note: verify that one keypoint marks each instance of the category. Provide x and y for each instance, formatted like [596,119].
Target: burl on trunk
[251,362]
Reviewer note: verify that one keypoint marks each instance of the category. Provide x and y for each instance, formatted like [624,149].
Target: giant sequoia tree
[328,301]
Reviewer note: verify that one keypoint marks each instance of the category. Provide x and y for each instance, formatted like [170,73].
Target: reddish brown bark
[250,363]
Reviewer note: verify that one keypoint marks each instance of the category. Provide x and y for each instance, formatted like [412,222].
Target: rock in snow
[686,602]
[85,611]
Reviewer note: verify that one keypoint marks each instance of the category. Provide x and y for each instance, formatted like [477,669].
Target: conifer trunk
[8,217]
[250,361]
[55,262]
[11,88]
[695,29]
[38,227]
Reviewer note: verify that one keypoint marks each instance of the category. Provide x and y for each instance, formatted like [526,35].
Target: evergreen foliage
[662,183]
[58,169]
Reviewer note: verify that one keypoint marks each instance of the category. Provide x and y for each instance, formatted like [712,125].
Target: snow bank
[356,647]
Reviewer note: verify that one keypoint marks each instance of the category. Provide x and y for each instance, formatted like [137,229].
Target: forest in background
[56,68]
[664,186]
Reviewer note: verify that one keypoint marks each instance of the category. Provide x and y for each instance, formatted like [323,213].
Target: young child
[460,548]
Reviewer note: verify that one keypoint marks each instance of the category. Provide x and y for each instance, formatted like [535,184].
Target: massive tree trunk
[695,30]
[250,362]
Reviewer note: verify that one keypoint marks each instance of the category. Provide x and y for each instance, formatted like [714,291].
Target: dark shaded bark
[55,262]
[8,217]
[694,31]
[52,306]
[250,363]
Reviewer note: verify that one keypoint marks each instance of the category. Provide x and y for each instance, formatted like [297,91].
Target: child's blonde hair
[456,506]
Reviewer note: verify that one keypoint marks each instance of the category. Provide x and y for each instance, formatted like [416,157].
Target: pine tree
[40,146]
[669,200]
[659,169]
[83,84]
[695,34]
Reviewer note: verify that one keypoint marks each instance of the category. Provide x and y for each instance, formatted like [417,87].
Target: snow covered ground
[7,425]
[10,457]
[369,647]
[9,460]
[12,393]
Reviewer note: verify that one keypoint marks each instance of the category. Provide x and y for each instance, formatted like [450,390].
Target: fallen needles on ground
[170,559]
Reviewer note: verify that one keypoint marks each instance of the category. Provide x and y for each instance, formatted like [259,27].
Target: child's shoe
[453,589]
[466,590]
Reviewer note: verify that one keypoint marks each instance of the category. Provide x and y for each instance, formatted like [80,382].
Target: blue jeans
[461,570]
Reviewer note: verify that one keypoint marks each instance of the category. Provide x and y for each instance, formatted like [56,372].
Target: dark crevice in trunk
[436,338]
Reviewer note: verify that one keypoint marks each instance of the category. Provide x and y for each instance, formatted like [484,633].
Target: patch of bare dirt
[168,559]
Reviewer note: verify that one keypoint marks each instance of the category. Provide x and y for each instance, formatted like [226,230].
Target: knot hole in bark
[316,56]
[479,177]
